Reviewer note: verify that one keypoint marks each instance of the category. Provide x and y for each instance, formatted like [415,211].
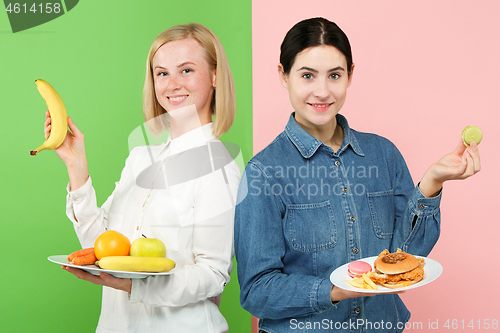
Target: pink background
[424,70]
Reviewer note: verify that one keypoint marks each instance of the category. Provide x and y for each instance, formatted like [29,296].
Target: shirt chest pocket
[310,227]
[382,213]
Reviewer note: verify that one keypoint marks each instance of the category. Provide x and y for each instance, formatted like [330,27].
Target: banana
[136,264]
[58,115]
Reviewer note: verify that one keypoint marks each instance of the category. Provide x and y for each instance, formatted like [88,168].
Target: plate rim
[62,260]
[382,289]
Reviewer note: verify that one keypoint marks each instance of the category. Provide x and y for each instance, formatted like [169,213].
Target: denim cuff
[324,296]
[420,205]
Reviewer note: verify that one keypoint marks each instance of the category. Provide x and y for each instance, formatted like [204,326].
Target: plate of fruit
[113,254]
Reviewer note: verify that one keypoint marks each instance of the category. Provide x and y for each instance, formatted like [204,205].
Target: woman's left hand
[462,163]
[103,279]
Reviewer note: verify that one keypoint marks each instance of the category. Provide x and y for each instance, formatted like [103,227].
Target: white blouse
[182,192]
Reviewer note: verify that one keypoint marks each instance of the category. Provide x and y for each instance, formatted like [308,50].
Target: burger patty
[415,274]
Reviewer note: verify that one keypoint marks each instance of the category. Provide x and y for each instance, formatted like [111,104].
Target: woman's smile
[177,99]
[320,107]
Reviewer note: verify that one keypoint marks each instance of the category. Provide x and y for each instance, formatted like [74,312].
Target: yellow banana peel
[58,115]
[136,264]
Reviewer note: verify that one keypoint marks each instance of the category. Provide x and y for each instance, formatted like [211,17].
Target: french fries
[364,282]
[369,281]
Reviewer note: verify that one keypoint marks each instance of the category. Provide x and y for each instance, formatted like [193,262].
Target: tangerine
[111,243]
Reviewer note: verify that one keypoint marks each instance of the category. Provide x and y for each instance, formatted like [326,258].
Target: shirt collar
[194,138]
[307,144]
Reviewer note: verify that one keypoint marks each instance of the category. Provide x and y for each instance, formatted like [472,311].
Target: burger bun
[396,263]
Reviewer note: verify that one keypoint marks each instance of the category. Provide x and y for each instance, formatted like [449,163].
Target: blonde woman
[179,191]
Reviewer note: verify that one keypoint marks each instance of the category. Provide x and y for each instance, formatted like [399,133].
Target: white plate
[93,269]
[432,270]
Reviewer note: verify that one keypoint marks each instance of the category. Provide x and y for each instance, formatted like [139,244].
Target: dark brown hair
[313,32]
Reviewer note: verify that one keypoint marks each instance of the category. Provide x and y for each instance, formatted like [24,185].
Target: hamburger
[397,270]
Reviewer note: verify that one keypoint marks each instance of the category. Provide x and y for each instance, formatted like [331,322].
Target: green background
[95,57]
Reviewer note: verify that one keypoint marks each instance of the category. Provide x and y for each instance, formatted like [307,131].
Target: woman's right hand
[73,147]
[71,152]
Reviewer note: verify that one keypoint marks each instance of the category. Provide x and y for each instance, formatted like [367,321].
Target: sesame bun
[396,263]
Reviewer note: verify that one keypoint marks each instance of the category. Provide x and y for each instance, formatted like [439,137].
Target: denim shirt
[304,210]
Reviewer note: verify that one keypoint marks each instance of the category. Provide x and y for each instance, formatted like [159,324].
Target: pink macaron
[357,268]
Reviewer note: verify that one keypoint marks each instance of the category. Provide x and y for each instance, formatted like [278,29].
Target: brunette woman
[302,213]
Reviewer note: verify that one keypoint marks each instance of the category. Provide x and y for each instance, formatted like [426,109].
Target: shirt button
[421,206]
[137,228]
[355,250]
[352,219]
[345,189]
[337,163]
[357,310]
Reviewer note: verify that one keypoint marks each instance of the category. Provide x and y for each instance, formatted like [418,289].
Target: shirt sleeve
[88,219]
[266,291]
[418,219]
[420,225]
[212,246]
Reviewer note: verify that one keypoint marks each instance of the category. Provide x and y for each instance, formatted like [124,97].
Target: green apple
[148,247]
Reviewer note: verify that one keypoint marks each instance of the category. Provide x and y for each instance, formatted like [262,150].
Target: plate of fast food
[96,270]
[386,273]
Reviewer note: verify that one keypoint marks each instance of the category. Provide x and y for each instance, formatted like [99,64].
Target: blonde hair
[223,100]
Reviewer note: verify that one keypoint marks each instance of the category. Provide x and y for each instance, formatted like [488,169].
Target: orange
[111,243]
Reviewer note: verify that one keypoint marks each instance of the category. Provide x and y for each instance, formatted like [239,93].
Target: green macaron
[470,134]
